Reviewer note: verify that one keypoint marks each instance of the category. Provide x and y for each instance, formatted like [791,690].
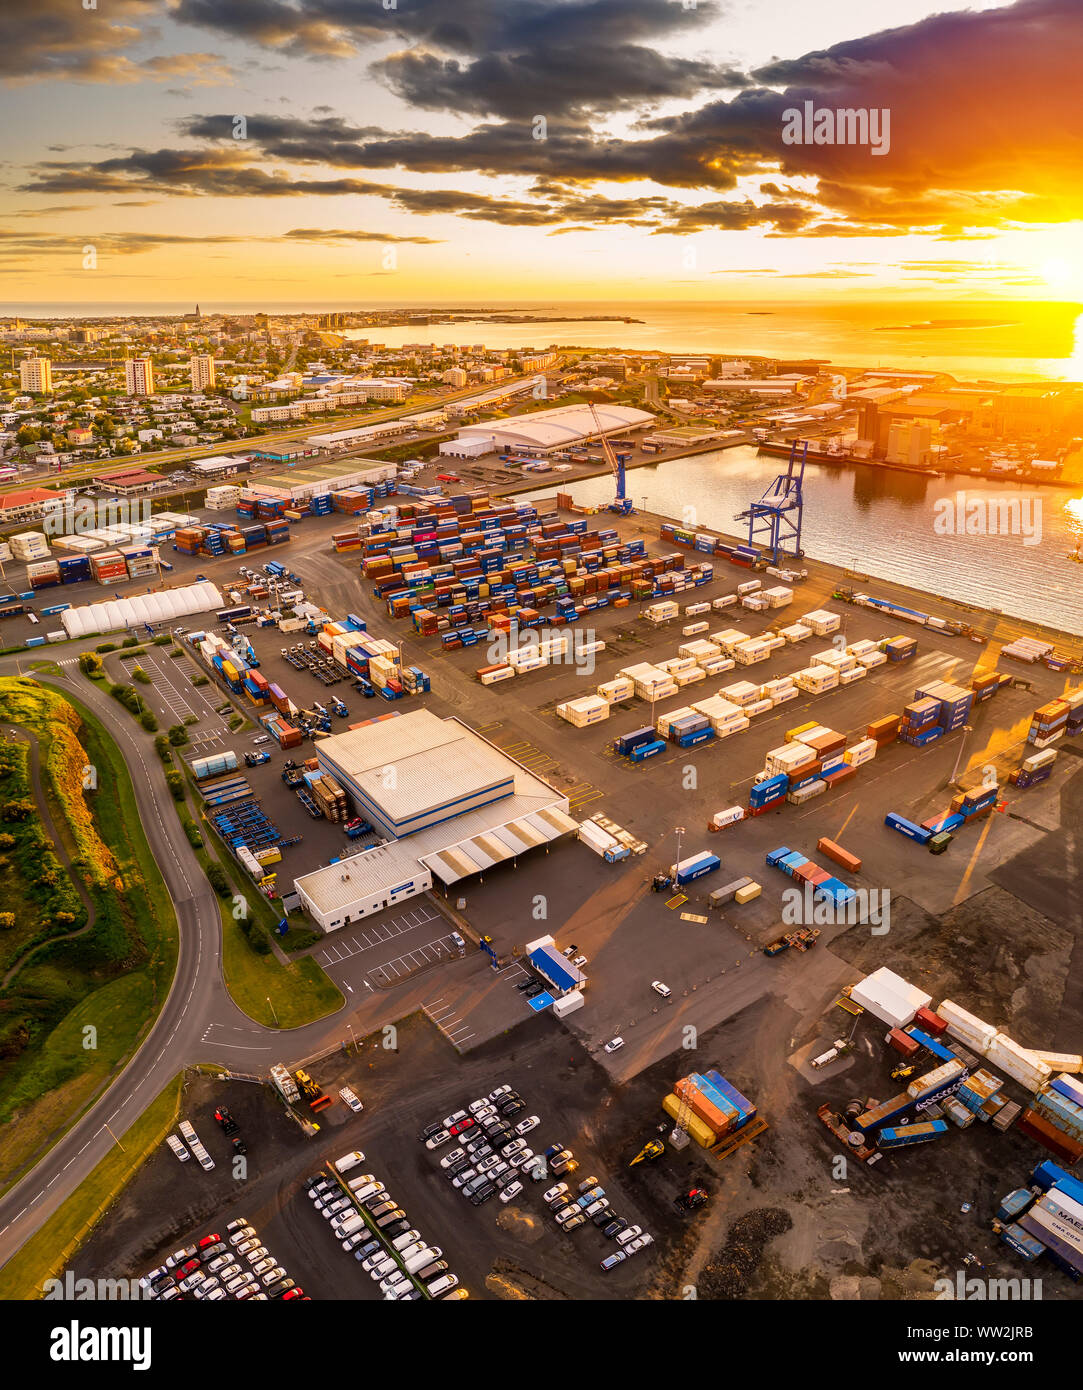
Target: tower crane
[775,520]
[621,503]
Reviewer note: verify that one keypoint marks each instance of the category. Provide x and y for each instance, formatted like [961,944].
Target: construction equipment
[693,1199]
[650,1151]
[801,940]
[902,1070]
[775,520]
[622,503]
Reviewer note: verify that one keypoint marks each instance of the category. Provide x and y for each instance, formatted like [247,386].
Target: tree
[177,735]
[7,921]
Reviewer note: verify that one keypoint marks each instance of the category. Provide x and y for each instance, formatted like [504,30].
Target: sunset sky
[390,153]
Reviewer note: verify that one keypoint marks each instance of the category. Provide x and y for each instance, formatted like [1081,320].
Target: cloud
[330,236]
[59,39]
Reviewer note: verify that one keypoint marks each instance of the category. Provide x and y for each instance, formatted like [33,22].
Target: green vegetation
[162,640]
[112,975]
[49,1250]
[162,748]
[130,642]
[177,735]
[138,674]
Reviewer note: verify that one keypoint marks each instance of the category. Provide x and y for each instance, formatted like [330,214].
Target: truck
[284,1083]
[694,867]
[897,1137]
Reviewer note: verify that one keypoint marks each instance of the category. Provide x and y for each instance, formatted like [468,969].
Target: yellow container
[747,893]
[793,735]
[702,1133]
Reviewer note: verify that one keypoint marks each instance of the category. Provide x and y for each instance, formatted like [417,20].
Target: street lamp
[680,832]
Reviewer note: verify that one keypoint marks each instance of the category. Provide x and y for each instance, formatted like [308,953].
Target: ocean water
[888,524]
[995,340]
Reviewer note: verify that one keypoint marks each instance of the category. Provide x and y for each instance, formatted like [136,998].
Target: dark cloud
[60,39]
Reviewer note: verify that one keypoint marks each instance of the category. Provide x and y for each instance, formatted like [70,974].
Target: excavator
[651,1150]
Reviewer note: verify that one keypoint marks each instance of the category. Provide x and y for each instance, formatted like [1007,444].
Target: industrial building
[448,803]
[302,483]
[549,431]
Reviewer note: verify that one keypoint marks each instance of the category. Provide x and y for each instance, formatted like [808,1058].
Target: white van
[347,1226]
[348,1161]
[365,1187]
[421,1259]
[443,1284]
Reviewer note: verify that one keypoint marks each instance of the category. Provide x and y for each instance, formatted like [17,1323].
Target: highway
[198,1003]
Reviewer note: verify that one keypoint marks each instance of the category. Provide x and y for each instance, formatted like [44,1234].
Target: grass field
[77,1008]
[45,1254]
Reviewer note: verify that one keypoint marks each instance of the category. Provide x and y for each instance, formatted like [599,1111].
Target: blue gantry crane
[774,522]
[621,503]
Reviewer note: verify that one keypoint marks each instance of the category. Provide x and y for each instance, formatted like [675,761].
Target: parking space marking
[443,948]
[397,926]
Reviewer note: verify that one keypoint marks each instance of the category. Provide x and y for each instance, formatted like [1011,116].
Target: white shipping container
[848,677]
[952,1014]
[716,665]
[693,610]
[861,752]
[690,629]
[784,695]
[749,587]
[721,819]
[502,673]
[674,664]
[690,677]
[595,838]
[743,693]
[860,648]
[806,793]
[727,601]
[796,632]
[699,649]
[665,722]
[724,727]
[759,707]
[620,689]
[869,660]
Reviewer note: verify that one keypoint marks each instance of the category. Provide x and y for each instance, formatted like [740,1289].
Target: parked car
[452,1157]
[576,1219]
[628,1234]
[525,1126]
[178,1257]
[554,1192]
[454,1118]
[512,1190]
[440,1137]
[614,1045]
[660,988]
[611,1261]
[462,1127]
[351,1099]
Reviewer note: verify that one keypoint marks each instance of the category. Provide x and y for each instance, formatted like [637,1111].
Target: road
[197,1003]
[265,441]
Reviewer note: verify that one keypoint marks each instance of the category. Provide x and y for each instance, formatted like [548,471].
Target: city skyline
[587,150]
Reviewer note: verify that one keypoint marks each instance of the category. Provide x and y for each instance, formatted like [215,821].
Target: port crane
[621,503]
[775,520]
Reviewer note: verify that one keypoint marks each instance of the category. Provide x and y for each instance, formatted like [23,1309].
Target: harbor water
[891,525]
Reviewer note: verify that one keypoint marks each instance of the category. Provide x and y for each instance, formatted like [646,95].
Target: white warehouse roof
[562,426]
[161,607]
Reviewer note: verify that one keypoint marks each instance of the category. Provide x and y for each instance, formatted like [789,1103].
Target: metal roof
[561,425]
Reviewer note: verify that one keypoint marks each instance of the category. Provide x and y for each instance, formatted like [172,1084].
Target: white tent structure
[116,615]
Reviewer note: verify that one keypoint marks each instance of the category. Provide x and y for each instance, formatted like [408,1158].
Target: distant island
[946,323]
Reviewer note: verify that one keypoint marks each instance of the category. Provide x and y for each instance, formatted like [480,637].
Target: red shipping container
[818,875]
[840,856]
[1055,1140]
[929,1022]
[902,1042]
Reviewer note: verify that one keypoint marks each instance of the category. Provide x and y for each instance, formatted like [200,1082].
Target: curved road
[198,1003]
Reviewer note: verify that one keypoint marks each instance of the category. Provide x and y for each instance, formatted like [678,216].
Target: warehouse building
[312,480]
[449,804]
[546,432]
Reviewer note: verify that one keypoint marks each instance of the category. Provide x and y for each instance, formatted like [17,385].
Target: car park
[440,1137]
[511,1191]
